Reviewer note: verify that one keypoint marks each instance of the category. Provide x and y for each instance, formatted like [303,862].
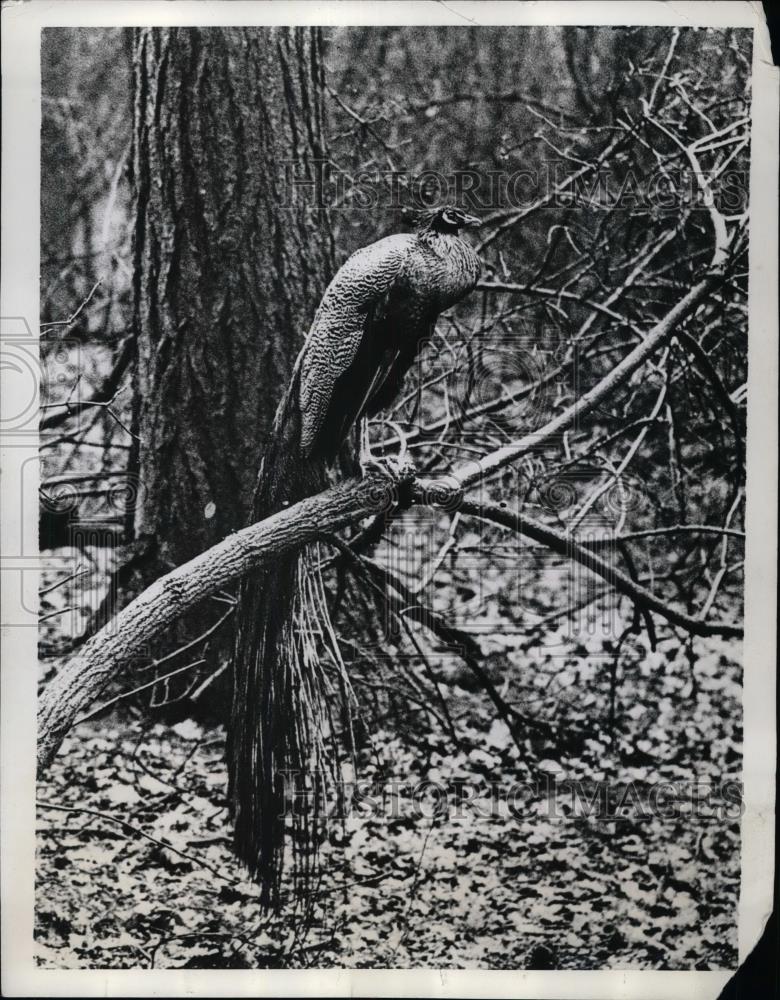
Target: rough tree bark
[230,260]
[231,255]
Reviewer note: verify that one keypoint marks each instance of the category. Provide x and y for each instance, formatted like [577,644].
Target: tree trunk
[230,261]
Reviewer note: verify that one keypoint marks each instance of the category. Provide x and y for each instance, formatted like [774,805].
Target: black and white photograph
[386,491]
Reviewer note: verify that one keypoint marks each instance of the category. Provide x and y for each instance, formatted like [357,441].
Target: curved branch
[126,637]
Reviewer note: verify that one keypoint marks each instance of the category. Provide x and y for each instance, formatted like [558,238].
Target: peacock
[374,316]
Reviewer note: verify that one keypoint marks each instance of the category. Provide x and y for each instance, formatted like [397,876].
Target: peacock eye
[450,218]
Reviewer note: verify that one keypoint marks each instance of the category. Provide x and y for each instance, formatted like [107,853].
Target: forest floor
[471,852]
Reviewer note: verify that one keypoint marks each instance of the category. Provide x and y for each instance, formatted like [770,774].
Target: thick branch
[127,636]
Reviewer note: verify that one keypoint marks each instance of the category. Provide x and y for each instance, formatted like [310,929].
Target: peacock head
[447,219]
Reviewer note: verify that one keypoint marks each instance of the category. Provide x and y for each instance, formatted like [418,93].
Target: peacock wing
[354,301]
[390,382]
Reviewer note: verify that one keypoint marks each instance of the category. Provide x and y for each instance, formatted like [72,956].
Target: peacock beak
[469,221]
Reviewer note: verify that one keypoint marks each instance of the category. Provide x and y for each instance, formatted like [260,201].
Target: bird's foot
[399,470]
[392,480]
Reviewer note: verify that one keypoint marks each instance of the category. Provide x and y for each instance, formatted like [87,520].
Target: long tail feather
[277,753]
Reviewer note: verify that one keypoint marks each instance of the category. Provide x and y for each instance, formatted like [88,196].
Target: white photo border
[22,23]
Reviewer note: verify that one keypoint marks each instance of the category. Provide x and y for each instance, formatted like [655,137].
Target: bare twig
[135,831]
[74,316]
[569,547]
[474,472]
[136,690]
